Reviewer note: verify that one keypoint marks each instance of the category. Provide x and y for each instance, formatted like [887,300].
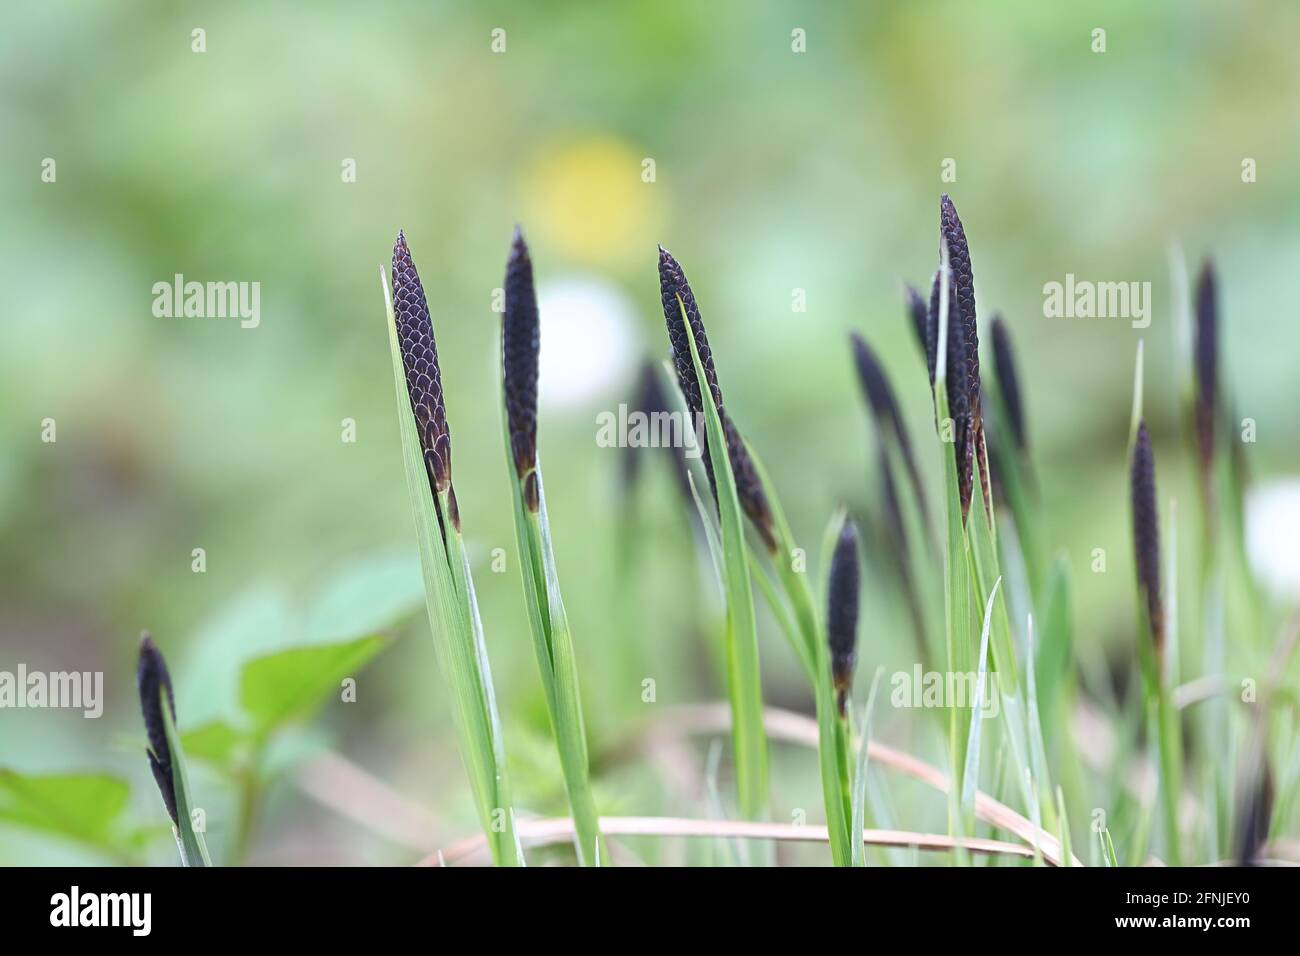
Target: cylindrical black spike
[880,397]
[749,489]
[962,305]
[921,316]
[1205,354]
[1004,362]
[1146,534]
[153,681]
[420,359]
[519,352]
[842,610]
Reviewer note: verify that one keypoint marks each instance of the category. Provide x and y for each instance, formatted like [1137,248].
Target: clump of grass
[166,759]
[736,484]
[549,624]
[449,588]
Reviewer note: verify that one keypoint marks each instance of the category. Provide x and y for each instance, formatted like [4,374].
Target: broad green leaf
[216,742]
[85,807]
[367,596]
[291,685]
[259,621]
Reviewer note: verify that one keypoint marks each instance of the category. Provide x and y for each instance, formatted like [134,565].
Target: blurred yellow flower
[589,199]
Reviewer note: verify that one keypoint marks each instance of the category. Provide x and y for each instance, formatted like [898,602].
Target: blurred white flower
[589,340]
[1272,530]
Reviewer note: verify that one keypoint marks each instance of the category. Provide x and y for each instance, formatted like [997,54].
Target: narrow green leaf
[749,740]
[858,829]
[194,850]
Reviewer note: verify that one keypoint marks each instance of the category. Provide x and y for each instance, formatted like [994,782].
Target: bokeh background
[774,171]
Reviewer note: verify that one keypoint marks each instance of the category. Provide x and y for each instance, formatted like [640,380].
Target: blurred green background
[773,171]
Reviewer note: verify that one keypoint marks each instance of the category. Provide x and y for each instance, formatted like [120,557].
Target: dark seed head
[963,305]
[842,609]
[153,682]
[519,350]
[420,359]
[884,408]
[1004,361]
[923,325]
[1255,798]
[1146,534]
[678,300]
[963,367]
[1205,356]
[749,490]
[959,407]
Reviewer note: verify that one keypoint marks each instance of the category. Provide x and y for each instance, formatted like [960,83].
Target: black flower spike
[963,303]
[672,288]
[880,396]
[519,351]
[152,680]
[678,298]
[842,611]
[1255,797]
[1146,534]
[1205,351]
[959,409]
[923,320]
[1004,362]
[749,490]
[420,358]
[962,321]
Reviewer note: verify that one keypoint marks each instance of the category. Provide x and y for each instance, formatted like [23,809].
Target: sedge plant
[449,588]
[548,623]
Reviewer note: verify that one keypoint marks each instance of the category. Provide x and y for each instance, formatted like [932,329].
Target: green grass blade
[749,740]
[194,850]
[859,853]
[970,774]
[553,644]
